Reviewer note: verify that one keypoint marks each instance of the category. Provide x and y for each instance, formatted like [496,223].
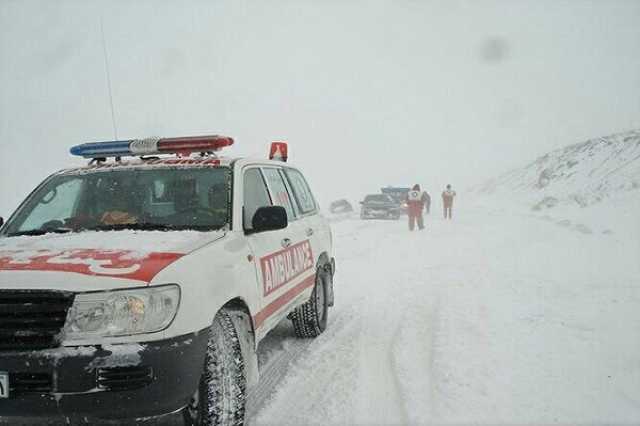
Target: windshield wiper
[144,226]
[36,232]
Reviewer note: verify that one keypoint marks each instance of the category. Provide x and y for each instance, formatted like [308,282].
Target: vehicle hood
[94,260]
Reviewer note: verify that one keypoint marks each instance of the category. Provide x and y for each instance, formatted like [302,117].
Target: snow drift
[582,174]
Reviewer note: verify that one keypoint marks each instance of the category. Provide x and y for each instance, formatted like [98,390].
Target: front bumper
[104,382]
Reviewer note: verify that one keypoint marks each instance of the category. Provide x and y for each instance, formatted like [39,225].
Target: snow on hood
[130,255]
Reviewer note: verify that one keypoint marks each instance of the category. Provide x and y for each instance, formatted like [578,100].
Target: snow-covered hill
[582,174]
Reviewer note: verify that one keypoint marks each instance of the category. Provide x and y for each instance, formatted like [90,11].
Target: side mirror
[270,218]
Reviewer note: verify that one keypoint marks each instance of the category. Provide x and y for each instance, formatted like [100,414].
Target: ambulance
[142,283]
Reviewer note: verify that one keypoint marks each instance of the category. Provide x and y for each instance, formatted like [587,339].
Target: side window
[301,191]
[279,191]
[287,184]
[255,195]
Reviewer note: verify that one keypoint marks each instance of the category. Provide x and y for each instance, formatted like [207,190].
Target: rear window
[279,193]
[301,191]
[377,198]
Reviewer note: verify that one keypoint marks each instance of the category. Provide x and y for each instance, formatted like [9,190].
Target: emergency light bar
[151,146]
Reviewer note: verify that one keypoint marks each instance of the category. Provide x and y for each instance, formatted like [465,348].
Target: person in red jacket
[447,201]
[416,199]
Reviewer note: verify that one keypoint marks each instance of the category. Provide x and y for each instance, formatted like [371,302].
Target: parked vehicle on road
[137,287]
[399,195]
[379,206]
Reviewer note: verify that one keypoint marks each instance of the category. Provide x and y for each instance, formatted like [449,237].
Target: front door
[283,258]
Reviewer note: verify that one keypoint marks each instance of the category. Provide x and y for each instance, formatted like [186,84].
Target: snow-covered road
[493,318]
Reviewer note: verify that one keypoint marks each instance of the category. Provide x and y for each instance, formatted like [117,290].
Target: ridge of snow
[582,174]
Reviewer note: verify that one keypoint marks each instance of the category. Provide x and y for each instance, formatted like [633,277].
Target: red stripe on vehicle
[124,264]
[282,300]
[284,266]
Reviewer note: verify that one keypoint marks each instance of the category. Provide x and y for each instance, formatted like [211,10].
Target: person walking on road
[427,202]
[416,199]
[447,201]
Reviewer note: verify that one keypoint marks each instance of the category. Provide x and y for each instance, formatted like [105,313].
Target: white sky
[366,92]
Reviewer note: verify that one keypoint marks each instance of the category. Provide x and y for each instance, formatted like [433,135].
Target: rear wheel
[220,399]
[310,319]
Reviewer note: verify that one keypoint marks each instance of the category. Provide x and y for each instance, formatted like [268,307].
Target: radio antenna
[106,69]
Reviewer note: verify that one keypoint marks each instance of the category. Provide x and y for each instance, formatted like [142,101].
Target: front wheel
[310,319]
[221,395]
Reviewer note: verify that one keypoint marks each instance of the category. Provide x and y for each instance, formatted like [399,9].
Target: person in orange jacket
[447,201]
[416,199]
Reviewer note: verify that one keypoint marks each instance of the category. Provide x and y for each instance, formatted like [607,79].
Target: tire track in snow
[314,385]
[350,374]
[413,357]
[463,361]
[383,402]
[273,373]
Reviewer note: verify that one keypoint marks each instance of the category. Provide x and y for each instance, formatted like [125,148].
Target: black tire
[310,320]
[223,383]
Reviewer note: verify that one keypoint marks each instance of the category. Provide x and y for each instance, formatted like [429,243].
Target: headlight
[121,312]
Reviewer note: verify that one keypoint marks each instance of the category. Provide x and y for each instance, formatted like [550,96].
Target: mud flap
[242,323]
[328,281]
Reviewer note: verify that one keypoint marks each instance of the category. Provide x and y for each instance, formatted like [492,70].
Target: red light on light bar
[279,151]
[191,144]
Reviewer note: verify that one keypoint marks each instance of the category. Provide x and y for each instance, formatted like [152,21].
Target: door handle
[309,232]
[286,242]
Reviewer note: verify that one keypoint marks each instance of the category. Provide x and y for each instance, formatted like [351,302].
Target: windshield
[143,199]
[377,198]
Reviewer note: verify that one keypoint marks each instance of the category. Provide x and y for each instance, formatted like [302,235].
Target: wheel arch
[327,266]
[324,261]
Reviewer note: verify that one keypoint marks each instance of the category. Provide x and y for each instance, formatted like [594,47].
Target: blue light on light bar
[102,149]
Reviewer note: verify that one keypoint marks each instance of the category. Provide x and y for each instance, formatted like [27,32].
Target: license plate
[4,384]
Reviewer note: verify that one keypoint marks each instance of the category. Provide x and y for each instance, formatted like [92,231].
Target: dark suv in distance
[379,206]
[399,195]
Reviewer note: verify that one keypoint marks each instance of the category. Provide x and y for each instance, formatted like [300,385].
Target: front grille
[21,383]
[31,319]
[124,378]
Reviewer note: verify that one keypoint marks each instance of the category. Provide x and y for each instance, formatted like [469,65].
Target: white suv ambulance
[138,287]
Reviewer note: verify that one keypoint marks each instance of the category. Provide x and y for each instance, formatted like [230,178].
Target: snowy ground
[497,317]
[501,316]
